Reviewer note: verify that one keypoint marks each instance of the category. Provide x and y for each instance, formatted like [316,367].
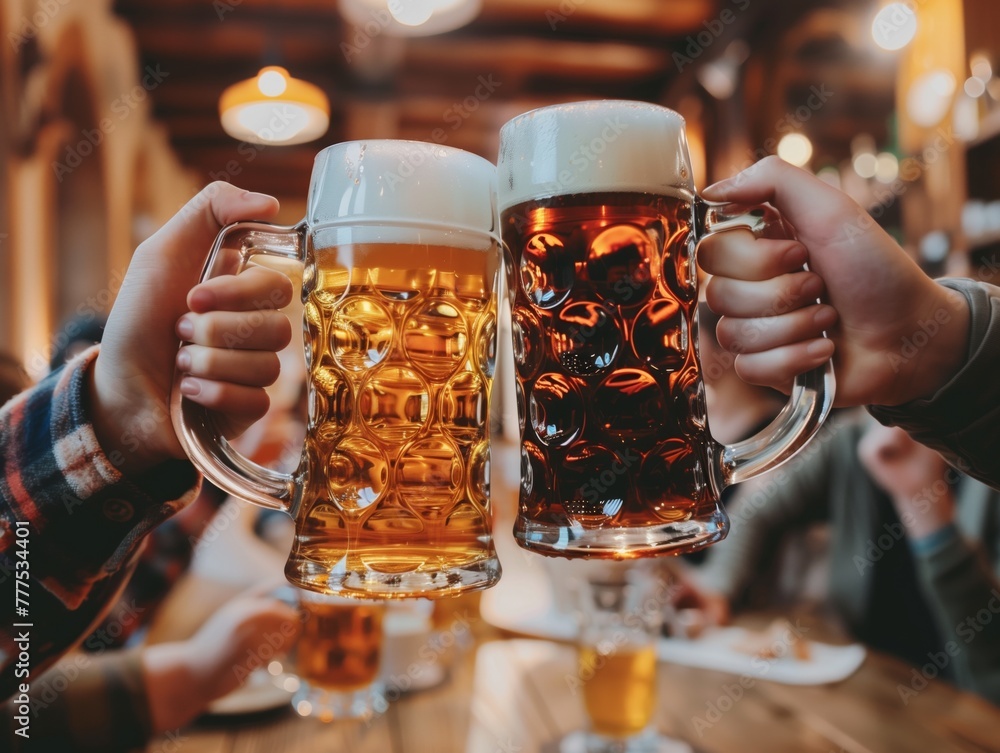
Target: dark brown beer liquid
[614,434]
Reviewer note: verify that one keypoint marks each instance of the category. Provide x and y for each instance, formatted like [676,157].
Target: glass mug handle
[812,392]
[194,424]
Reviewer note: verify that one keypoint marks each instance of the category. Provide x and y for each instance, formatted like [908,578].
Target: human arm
[117,700]
[922,353]
[878,294]
[955,577]
[90,462]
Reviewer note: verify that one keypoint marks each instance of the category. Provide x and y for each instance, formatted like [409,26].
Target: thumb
[795,192]
[192,230]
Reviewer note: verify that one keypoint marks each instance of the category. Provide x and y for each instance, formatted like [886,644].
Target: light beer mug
[600,218]
[400,257]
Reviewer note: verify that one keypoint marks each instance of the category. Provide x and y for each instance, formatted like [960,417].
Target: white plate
[522,611]
[260,693]
[714,649]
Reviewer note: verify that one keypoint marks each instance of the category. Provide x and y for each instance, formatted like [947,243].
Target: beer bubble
[486,345]
[593,483]
[436,338]
[360,333]
[547,270]
[536,480]
[629,404]
[429,476]
[660,335]
[464,406]
[556,410]
[479,474]
[622,264]
[528,351]
[670,477]
[585,338]
[356,473]
[394,403]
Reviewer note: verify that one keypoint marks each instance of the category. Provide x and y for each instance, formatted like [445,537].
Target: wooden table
[510,695]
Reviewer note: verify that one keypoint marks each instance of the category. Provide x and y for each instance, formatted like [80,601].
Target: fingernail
[719,189]
[190,387]
[254,196]
[185,328]
[183,360]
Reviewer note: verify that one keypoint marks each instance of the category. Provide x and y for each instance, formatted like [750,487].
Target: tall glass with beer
[399,258]
[600,218]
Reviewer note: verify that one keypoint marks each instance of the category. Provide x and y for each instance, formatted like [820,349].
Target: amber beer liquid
[619,689]
[399,257]
[400,346]
[340,645]
[614,421]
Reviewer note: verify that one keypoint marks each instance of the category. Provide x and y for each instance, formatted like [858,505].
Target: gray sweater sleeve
[962,420]
[766,508]
[964,595]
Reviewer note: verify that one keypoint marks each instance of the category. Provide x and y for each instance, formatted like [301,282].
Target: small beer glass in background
[337,657]
[620,614]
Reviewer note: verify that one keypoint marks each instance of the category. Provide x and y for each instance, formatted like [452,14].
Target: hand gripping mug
[600,219]
[400,256]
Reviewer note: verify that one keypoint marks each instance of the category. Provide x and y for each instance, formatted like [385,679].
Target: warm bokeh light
[412,12]
[974,86]
[886,167]
[274,108]
[930,97]
[894,26]
[866,165]
[271,82]
[410,18]
[795,148]
[981,67]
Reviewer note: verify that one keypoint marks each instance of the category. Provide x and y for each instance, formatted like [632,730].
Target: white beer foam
[589,147]
[400,190]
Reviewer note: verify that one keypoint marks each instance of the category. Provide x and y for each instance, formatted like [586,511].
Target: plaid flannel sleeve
[68,513]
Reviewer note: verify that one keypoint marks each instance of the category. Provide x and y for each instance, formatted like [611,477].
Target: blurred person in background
[914,547]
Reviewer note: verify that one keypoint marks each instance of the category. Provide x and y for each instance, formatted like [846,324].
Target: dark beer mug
[600,220]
